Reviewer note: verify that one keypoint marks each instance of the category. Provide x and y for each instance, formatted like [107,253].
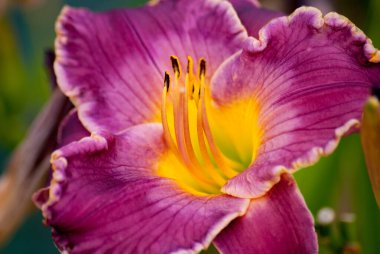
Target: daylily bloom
[187,128]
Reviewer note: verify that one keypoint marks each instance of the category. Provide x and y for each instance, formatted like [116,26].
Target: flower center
[195,159]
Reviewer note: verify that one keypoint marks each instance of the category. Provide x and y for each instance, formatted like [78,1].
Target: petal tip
[262,184]
[47,197]
[340,22]
[316,153]
[313,18]
[257,190]
[216,229]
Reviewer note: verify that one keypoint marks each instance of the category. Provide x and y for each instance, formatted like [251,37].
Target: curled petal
[112,64]
[106,198]
[370,137]
[278,222]
[310,76]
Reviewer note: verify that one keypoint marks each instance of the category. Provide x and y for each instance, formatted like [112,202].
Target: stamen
[223,163]
[212,168]
[189,81]
[195,165]
[176,66]
[201,141]
[190,65]
[189,146]
[167,135]
[218,176]
[179,127]
[177,108]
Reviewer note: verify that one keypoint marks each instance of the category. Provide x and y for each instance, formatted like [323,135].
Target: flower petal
[311,76]
[112,64]
[253,3]
[105,198]
[253,16]
[279,223]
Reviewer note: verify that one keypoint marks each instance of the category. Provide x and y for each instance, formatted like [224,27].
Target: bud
[370,138]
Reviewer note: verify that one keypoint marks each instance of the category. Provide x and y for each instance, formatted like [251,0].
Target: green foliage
[22,88]
[341,182]
[12,78]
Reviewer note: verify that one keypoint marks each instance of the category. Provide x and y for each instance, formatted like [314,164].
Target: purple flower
[168,163]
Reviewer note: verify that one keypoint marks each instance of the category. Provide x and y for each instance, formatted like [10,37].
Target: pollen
[194,159]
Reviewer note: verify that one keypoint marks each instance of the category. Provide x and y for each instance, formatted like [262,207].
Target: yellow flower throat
[208,144]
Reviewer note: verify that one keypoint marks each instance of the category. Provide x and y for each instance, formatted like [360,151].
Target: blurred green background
[27,31]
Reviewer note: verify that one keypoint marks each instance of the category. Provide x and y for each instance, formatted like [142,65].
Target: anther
[176,66]
[202,68]
[190,65]
[167,81]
